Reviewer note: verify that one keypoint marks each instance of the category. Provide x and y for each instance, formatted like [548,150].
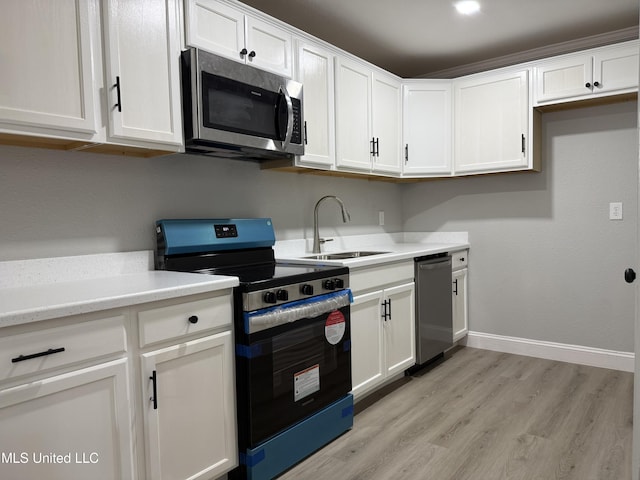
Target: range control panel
[290,293]
[226,230]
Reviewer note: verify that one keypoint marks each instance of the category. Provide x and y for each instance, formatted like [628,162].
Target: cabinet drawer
[459,259]
[170,321]
[379,276]
[45,349]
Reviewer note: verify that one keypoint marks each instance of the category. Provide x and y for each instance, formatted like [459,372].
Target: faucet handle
[325,240]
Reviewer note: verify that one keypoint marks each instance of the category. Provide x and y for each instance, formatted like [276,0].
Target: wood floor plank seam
[484,415]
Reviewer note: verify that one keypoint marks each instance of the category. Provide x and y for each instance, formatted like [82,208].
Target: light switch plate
[615,211]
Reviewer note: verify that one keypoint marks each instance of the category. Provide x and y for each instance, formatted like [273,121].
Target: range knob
[269,297]
[306,289]
[329,284]
[339,283]
[282,295]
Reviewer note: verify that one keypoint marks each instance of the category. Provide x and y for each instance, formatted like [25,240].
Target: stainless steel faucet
[316,235]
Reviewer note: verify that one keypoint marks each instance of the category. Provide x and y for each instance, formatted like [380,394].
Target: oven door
[291,370]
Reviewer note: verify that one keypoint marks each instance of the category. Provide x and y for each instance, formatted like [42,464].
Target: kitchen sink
[343,255]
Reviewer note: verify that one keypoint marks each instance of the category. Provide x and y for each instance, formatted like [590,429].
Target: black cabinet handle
[252,54]
[596,84]
[22,358]
[386,315]
[377,147]
[117,87]
[373,147]
[629,275]
[305,133]
[193,319]
[154,399]
[588,85]
[406,153]
[523,140]
[243,52]
[455,291]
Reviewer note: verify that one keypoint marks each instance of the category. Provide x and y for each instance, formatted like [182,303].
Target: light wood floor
[486,415]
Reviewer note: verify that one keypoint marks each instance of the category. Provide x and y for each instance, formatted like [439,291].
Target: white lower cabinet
[459,295]
[190,428]
[60,421]
[382,332]
[188,387]
[68,408]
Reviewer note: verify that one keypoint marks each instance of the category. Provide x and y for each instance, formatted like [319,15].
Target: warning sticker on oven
[306,382]
[335,327]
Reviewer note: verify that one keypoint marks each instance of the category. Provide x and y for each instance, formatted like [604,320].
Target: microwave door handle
[289,134]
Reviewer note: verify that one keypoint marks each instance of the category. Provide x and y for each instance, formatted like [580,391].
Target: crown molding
[585,43]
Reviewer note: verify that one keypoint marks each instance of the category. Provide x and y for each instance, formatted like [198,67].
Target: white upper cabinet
[353,114]
[368,118]
[142,78]
[427,128]
[386,106]
[602,71]
[47,78]
[314,69]
[491,115]
[219,28]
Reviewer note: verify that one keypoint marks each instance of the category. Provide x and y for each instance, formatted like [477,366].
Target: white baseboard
[595,357]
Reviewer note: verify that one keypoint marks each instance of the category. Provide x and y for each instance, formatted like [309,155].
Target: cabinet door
[616,69]
[52,86]
[427,128]
[142,80]
[272,47]
[190,428]
[386,123]
[353,107]
[315,72]
[460,315]
[567,77]
[399,329]
[366,342]
[491,123]
[82,415]
[215,27]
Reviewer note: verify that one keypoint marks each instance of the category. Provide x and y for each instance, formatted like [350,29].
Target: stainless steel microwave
[234,110]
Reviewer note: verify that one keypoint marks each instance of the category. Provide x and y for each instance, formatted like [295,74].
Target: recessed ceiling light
[467,7]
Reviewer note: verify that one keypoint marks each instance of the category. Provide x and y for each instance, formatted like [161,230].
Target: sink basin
[343,255]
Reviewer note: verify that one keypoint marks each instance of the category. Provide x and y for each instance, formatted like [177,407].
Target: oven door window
[237,107]
[299,370]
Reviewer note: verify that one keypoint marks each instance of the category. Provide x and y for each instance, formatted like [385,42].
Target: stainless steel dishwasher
[434,325]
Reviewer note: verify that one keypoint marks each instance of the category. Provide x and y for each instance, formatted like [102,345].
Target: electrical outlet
[615,211]
[381,217]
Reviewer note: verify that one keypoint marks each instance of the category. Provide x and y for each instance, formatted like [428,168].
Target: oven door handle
[308,308]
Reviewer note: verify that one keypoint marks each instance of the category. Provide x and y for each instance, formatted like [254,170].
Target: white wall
[546,263]
[55,203]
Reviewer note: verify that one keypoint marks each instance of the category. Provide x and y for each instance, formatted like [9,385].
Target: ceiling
[419,37]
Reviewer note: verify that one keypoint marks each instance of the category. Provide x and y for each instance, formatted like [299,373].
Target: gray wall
[546,263]
[55,203]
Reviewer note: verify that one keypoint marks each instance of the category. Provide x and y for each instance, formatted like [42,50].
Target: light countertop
[42,289]
[396,247]
[63,295]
